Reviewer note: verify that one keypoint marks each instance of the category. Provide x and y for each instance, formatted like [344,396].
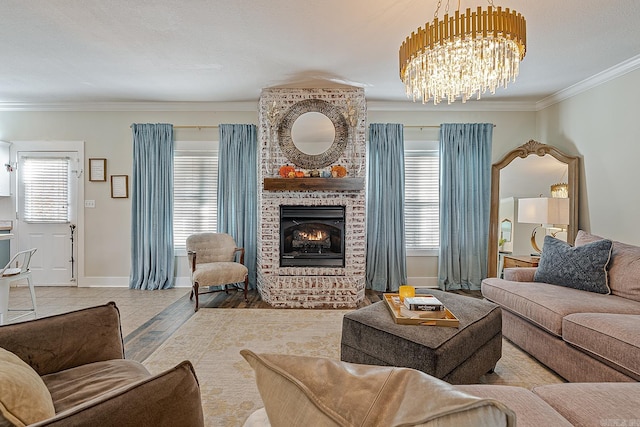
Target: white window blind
[195,199]
[421,216]
[45,192]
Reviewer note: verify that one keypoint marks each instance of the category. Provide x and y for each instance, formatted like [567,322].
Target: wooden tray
[449,320]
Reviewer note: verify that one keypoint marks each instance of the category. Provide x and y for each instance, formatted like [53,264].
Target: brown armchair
[80,358]
[212,260]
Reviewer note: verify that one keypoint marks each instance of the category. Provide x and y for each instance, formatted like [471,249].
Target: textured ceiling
[215,51]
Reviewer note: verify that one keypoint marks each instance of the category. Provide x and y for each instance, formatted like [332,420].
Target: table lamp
[544,211]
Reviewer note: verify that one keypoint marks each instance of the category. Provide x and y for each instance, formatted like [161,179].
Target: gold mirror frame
[525,150]
[311,161]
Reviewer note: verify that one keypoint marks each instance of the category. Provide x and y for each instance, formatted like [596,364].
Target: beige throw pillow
[24,399]
[309,391]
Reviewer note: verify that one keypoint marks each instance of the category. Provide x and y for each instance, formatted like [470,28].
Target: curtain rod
[425,126]
[196,127]
[215,127]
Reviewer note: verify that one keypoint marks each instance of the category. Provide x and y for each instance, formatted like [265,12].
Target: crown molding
[605,76]
[471,105]
[129,106]
[253,106]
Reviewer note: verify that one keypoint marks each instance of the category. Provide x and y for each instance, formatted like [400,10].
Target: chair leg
[246,286]
[194,291]
[33,297]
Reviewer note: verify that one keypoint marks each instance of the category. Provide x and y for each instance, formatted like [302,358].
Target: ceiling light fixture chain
[463,54]
[435,14]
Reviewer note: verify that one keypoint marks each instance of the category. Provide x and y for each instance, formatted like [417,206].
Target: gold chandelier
[463,54]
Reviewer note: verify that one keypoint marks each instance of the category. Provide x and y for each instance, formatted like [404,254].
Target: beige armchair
[212,259]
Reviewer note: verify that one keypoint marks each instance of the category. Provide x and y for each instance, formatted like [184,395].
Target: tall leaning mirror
[530,173]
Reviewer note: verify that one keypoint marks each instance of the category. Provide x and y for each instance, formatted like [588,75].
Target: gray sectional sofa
[583,336]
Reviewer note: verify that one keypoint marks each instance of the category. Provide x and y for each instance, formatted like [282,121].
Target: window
[45,189]
[195,186]
[421,216]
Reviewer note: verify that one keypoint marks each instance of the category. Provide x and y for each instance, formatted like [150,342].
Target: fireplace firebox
[312,236]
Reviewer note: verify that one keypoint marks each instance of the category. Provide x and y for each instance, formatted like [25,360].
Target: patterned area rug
[212,340]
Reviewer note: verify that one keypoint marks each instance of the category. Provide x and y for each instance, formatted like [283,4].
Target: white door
[46,213]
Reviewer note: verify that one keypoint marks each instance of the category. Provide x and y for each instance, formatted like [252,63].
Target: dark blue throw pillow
[583,267]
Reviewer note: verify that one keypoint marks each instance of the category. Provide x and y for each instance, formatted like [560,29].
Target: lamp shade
[543,210]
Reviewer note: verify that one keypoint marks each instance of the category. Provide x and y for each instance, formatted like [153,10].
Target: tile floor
[136,306]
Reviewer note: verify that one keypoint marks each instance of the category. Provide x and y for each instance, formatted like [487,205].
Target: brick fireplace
[334,278]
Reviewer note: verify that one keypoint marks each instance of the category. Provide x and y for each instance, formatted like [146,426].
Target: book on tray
[421,314]
[423,303]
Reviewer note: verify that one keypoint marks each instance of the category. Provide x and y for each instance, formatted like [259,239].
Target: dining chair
[17,269]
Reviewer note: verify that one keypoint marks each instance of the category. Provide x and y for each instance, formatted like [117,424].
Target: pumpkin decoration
[338,171]
[286,170]
[299,174]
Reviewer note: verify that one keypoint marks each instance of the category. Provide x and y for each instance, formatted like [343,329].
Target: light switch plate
[89,203]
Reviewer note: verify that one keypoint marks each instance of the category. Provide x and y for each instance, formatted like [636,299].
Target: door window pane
[45,192]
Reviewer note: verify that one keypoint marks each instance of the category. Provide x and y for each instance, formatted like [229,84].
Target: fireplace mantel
[314,184]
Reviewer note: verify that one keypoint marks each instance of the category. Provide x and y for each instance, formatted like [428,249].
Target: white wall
[601,126]
[107,134]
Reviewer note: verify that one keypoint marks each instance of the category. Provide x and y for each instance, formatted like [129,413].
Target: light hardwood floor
[148,317]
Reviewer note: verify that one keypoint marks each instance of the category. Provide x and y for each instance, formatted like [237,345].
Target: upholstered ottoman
[457,355]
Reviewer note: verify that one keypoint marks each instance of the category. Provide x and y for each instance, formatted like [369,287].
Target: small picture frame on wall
[97,170]
[119,186]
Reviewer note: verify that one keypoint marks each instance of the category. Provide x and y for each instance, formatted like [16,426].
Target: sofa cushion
[624,268]
[583,267]
[72,387]
[219,273]
[299,390]
[531,410]
[24,398]
[611,338]
[546,305]
[55,343]
[167,399]
[594,404]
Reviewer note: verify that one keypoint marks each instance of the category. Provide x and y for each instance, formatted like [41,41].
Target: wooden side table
[511,261]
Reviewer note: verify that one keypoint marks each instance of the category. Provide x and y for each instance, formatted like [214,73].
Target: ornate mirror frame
[310,161]
[525,150]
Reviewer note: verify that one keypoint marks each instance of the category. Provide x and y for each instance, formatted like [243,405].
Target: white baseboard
[423,282]
[185,282]
[123,282]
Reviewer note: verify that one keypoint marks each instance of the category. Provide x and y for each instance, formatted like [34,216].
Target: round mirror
[313,133]
[322,135]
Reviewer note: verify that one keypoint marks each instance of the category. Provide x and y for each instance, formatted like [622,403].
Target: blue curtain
[465,199]
[386,261]
[152,258]
[238,190]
